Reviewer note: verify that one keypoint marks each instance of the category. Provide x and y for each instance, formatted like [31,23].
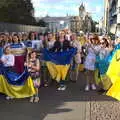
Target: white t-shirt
[68,37]
[9,60]
[91,57]
[51,44]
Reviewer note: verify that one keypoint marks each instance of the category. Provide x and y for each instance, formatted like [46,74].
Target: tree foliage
[17,11]
[42,23]
[94,23]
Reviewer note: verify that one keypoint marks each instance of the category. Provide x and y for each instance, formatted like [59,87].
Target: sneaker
[87,88]
[59,88]
[45,85]
[36,99]
[93,87]
[9,98]
[31,99]
[63,88]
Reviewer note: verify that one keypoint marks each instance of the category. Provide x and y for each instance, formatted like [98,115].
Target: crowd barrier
[8,27]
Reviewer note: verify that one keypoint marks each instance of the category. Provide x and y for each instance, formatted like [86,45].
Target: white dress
[90,59]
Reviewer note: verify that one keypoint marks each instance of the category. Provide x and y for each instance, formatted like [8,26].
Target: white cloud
[41,13]
[98,9]
[62,7]
[57,14]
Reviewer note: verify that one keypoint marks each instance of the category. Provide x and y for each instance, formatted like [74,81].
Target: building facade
[106,16]
[83,22]
[75,24]
[55,24]
[112,18]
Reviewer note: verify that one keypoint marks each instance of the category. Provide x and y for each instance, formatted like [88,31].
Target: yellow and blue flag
[15,85]
[102,66]
[114,75]
[58,63]
[109,72]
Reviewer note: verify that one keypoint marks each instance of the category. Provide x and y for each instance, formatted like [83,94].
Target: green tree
[17,11]
[94,23]
[42,23]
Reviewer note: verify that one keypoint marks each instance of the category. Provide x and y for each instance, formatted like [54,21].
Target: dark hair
[17,37]
[96,38]
[56,36]
[29,36]
[4,50]
[33,51]
[40,34]
[106,42]
[91,40]
[2,33]
[50,34]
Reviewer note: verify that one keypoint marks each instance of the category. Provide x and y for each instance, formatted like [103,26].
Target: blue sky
[64,7]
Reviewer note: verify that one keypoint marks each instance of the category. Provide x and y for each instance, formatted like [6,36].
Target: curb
[88,111]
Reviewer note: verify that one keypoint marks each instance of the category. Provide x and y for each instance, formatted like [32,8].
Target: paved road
[72,104]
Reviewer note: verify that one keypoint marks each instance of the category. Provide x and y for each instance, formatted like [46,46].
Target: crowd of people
[25,50]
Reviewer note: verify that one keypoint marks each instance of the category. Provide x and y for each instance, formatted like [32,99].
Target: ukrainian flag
[102,66]
[114,75]
[15,85]
[109,73]
[58,63]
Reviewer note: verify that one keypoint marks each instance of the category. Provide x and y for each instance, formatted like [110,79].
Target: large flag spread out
[15,85]
[109,70]
[102,68]
[58,63]
[114,75]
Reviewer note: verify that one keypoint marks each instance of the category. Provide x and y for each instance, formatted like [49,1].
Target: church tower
[82,11]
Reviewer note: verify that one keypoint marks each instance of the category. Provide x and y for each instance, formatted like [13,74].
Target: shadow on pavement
[51,102]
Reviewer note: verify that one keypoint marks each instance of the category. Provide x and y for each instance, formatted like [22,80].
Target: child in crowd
[33,65]
[8,61]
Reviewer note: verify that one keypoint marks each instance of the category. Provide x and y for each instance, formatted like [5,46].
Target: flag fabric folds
[109,73]
[13,77]
[15,85]
[102,66]
[114,75]
[58,63]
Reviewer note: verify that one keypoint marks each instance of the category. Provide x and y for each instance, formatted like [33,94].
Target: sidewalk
[72,104]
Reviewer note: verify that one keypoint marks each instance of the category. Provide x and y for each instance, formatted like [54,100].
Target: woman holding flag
[60,46]
[8,61]
[33,65]
[93,48]
[102,64]
[19,50]
[12,84]
[58,60]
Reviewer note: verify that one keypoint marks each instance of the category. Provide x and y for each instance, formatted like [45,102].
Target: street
[72,104]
